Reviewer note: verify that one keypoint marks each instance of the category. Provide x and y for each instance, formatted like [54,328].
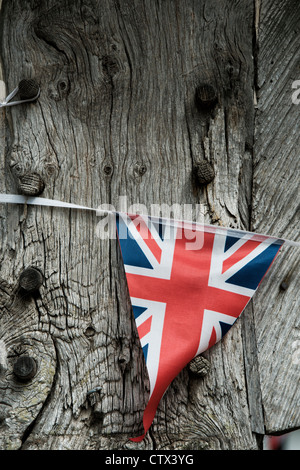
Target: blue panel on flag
[132,253]
[224,327]
[231,241]
[251,275]
[137,311]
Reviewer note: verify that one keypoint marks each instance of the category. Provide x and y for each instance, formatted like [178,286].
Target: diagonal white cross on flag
[184,300]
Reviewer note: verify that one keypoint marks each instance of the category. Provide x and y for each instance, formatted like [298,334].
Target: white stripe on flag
[38,201]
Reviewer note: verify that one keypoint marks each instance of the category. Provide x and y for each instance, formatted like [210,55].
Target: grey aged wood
[118,116]
[275,209]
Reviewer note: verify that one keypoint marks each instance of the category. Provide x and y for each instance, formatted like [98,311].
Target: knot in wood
[123,362]
[109,65]
[206,96]
[25,368]
[31,279]
[28,89]
[140,169]
[31,184]
[204,172]
[284,285]
[108,170]
[199,366]
[94,395]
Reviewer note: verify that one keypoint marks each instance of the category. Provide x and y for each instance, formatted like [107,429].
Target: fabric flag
[188,283]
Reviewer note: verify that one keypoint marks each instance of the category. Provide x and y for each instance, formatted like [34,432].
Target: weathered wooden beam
[136,96]
[275,210]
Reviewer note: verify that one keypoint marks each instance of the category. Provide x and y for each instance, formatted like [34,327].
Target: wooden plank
[276,211]
[117,117]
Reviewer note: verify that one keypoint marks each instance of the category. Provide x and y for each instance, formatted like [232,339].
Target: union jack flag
[185,299]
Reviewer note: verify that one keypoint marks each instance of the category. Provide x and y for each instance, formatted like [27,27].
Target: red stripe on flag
[213,338]
[186,295]
[245,250]
[145,233]
[144,328]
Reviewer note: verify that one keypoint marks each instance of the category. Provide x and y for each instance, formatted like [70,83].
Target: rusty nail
[204,172]
[199,366]
[31,184]
[28,89]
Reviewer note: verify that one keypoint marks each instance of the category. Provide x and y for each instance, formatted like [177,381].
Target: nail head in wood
[206,96]
[204,172]
[31,279]
[199,366]
[25,368]
[90,332]
[28,89]
[31,184]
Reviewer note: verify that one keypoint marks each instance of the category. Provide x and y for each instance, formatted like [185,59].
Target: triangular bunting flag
[188,284]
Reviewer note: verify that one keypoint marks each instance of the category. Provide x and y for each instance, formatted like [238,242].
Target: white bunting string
[8,102]
[38,201]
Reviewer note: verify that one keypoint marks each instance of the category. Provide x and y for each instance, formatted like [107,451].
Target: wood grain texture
[117,117]
[275,210]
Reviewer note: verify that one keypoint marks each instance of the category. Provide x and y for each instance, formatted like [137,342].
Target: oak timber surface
[276,211]
[117,117]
